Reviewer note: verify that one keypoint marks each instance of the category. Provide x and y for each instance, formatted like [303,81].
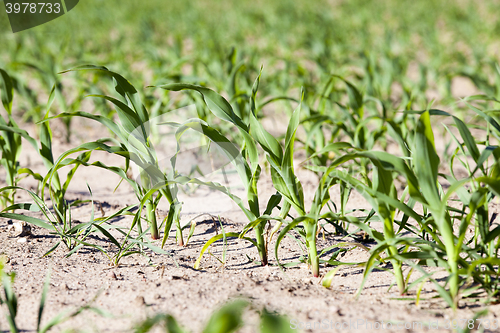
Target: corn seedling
[10,142]
[134,137]
[249,172]
[282,170]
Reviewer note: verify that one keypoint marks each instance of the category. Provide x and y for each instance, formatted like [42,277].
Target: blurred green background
[386,47]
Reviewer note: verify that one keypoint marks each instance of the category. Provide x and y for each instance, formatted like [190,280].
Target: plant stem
[398,271]
[261,243]
[454,281]
[393,250]
[283,214]
[449,242]
[178,232]
[151,217]
[311,229]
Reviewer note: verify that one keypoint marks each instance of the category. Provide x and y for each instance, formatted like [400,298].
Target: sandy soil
[142,286]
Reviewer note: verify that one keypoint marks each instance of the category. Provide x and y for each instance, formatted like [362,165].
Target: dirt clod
[20,229]
[140,301]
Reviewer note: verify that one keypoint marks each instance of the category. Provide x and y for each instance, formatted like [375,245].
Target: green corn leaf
[355,97]
[228,148]
[260,220]
[253,97]
[7,91]
[24,206]
[32,220]
[45,150]
[426,160]
[20,132]
[493,234]
[10,298]
[146,325]
[266,140]
[173,215]
[331,147]
[370,264]
[493,183]
[283,188]
[129,119]
[106,233]
[328,278]
[41,307]
[469,141]
[369,194]
[123,87]
[486,117]
[252,195]
[227,319]
[273,202]
[115,128]
[282,235]
[274,323]
[485,154]
[287,167]
[396,133]
[216,103]
[216,238]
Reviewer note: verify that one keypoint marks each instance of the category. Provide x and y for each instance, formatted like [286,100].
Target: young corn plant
[380,192]
[58,217]
[422,186]
[10,142]
[251,208]
[362,124]
[72,235]
[134,137]
[129,245]
[476,257]
[27,102]
[280,159]
[426,163]
[434,238]
[246,161]
[43,147]
[45,65]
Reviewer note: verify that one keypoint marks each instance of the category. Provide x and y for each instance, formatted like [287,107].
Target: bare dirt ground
[140,287]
